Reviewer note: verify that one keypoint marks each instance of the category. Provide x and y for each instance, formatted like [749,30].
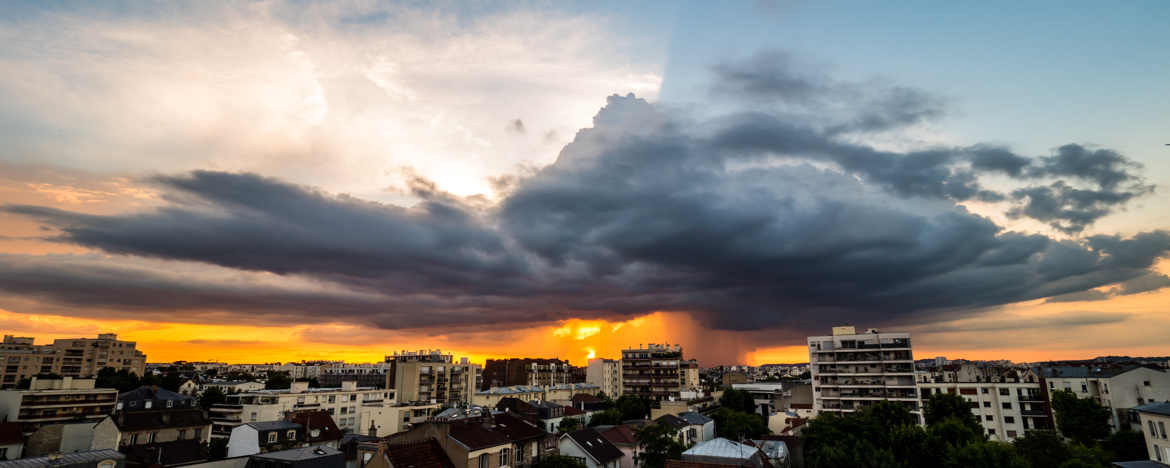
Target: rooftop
[74,458]
[301,453]
[595,444]
[428,454]
[1162,408]
[273,425]
[721,448]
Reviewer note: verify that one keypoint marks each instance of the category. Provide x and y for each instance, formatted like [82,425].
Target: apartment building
[1119,389]
[149,419]
[72,357]
[363,410]
[526,371]
[653,372]
[853,370]
[690,375]
[606,374]
[430,375]
[1154,417]
[50,401]
[1007,402]
[366,375]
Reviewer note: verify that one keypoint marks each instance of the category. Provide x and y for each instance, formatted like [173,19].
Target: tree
[1126,445]
[985,454]
[211,396]
[121,379]
[609,417]
[1043,448]
[569,424]
[557,461]
[277,381]
[171,381]
[657,443]
[632,407]
[1080,419]
[738,425]
[737,400]
[943,406]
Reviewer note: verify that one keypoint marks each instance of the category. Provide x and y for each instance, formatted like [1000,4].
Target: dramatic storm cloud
[750,219]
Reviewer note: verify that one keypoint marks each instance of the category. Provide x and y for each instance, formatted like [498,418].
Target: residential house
[699,428]
[720,451]
[300,457]
[469,443]
[529,441]
[63,437]
[424,454]
[319,428]
[592,448]
[624,439]
[357,409]
[258,437]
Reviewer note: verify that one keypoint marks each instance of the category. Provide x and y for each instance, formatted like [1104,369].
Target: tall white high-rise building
[607,374]
[853,370]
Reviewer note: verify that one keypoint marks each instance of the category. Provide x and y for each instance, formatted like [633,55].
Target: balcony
[1034,412]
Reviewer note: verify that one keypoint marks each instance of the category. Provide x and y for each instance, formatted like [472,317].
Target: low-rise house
[62,438]
[529,442]
[11,441]
[700,428]
[1154,419]
[592,448]
[88,459]
[624,439]
[469,443]
[154,426]
[319,428]
[1117,388]
[259,437]
[425,454]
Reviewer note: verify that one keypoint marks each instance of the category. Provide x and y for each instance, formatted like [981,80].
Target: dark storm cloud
[746,221]
[1066,320]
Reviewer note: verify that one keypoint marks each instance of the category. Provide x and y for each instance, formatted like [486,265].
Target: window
[1084,388]
[182,434]
[198,433]
[987,404]
[1051,384]
[291,435]
[253,416]
[1146,383]
[504,457]
[1157,452]
[1007,405]
[484,462]
[272,437]
[107,464]
[134,437]
[332,398]
[991,432]
[1153,430]
[984,389]
[150,440]
[520,456]
[1011,434]
[4,453]
[1162,428]
[1009,419]
[1004,392]
[987,417]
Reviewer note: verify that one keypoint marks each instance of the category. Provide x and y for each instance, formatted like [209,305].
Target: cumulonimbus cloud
[746,220]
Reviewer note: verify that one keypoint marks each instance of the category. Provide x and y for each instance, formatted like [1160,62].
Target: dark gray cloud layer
[750,220]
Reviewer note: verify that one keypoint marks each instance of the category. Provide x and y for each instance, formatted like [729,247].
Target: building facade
[606,374]
[363,410]
[49,401]
[1006,410]
[1119,389]
[851,371]
[526,371]
[426,376]
[72,357]
[1154,418]
[653,372]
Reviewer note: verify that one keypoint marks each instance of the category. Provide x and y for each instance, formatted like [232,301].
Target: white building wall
[245,440]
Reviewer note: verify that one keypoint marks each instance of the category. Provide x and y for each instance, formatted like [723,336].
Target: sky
[285,180]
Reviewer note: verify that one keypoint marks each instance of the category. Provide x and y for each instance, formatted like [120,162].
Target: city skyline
[282,181]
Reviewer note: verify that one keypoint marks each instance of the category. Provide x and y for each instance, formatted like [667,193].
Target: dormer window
[148,404]
[170,403]
[272,437]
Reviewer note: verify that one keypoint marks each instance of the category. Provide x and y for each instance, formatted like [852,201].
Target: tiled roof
[571,411]
[622,435]
[161,418]
[597,446]
[672,421]
[428,454]
[516,429]
[475,436]
[273,425]
[1162,408]
[318,421]
[694,418]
